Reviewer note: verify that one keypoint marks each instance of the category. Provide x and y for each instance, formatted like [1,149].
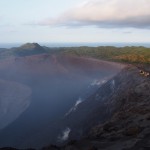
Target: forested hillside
[121,54]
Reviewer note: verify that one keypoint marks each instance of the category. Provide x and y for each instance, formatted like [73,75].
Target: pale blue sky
[72,21]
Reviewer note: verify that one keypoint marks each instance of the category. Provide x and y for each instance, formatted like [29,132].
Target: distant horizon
[77,44]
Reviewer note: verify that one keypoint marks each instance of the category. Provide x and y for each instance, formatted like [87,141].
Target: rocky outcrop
[124,102]
[129,127]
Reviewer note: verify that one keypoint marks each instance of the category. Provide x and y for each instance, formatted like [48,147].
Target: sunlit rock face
[14,100]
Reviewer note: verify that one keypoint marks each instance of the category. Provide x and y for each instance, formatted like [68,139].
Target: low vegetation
[119,54]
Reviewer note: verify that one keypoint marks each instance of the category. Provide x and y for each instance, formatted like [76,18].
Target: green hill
[119,54]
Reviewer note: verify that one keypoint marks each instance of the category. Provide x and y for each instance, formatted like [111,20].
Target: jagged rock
[128,126]
[132,131]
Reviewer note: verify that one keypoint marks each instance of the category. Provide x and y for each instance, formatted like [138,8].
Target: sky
[67,21]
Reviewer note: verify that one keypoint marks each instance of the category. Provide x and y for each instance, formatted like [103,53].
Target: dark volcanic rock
[130,106]
[126,107]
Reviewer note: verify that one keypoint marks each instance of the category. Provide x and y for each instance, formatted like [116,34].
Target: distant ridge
[29,49]
[30,46]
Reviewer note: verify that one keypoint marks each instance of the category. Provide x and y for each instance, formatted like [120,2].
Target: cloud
[105,14]
[127,32]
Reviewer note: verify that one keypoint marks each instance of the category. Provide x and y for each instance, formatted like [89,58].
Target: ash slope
[115,117]
[124,103]
[57,80]
[14,99]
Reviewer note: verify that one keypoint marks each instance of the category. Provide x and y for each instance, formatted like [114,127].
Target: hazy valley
[74,98]
[41,90]
[75,75]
